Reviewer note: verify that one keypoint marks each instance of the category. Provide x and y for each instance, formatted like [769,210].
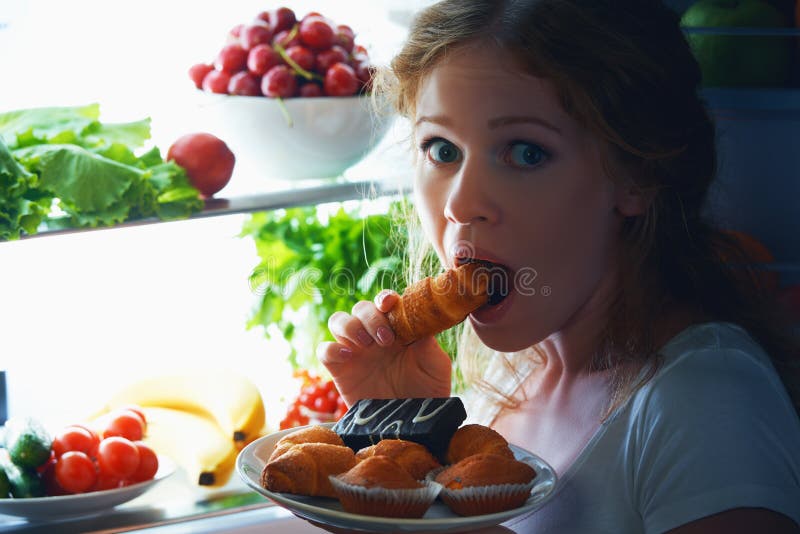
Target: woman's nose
[469,198]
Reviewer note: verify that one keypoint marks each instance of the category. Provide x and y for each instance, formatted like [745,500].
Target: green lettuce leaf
[21,207]
[27,127]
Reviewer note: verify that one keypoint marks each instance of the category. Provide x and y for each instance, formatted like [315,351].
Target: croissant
[304,469]
[411,456]
[437,303]
[311,434]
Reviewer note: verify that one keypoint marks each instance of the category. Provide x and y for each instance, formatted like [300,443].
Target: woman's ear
[631,200]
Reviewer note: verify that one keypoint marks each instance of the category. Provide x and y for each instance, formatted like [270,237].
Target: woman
[565,141]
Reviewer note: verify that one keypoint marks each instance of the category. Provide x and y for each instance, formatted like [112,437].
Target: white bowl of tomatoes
[290,97]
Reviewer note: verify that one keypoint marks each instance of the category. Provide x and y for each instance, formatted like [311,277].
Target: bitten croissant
[304,469]
[437,303]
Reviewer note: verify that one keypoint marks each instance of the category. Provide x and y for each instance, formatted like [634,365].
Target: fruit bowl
[293,138]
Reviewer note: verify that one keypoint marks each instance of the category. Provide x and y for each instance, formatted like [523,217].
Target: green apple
[739,60]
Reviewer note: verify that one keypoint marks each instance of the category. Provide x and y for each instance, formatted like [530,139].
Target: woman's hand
[367,363]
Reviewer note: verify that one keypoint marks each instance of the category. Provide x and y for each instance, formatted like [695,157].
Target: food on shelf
[437,303]
[730,60]
[27,442]
[207,160]
[485,484]
[78,459]
[306,467]
[229,400]
[279,56]
[430,422]
[380,486]
[194,441]
[91,171]
[317,402]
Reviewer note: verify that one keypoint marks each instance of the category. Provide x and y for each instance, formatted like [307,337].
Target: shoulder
[713,430]
[711,368]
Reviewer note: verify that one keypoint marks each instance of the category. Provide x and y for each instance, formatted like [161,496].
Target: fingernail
[364,338]
[345,353]
[385,335]
[382,296]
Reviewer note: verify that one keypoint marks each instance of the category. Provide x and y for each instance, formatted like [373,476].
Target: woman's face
[504,174]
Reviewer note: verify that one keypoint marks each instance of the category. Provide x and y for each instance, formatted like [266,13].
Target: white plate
[38,508]
[438,518]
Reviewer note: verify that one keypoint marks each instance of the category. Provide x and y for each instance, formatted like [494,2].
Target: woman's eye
[442,151]
[522,154]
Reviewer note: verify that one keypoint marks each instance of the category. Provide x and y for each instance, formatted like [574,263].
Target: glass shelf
[299,196]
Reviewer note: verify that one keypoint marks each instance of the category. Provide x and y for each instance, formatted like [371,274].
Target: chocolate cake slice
[430,422]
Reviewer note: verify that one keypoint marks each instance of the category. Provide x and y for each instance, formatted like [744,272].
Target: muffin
[379,486]
[485,484]
[311,434]
[305,469]
[476,439]
[411,456]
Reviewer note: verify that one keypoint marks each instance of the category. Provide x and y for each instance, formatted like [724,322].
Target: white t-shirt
[713,430]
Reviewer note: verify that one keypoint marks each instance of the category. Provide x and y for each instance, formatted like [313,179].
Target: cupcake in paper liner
[378,486]
[485,484]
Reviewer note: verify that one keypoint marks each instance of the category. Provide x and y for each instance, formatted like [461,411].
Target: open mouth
[498,277]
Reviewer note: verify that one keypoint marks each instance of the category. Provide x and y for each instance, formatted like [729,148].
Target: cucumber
[5,485]
[27,442]
[23,483]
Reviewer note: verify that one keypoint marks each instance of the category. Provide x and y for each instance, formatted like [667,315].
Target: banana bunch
[200,419]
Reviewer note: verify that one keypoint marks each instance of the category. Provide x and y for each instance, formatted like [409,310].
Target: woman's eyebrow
[505,121]
[436,119]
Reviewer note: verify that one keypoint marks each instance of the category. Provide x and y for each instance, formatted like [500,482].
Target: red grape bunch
[278,56]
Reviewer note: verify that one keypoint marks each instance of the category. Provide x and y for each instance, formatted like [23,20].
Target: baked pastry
[379,486]
[413,457]
[305,469]
[310,434]
[430,422]
[475,439]
[485,484]
[437,303]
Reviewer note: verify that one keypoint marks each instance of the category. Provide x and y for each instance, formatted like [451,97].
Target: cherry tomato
[262,58]
[105,482]
[345,37]
[117,456]
[231,59]
[124,423]
[340,80]
[316,32]
[148,463]
[255,34]
[75,438]
[135,408]
[302,56]
[282,19]
[216,82]
[282,39]
[198,72]
[279,82]
[324,404]
[47,473]
[326,58]
[75,472]
[310,90]
[245,84]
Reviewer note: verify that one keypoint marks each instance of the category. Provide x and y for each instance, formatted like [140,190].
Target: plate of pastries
[398,465]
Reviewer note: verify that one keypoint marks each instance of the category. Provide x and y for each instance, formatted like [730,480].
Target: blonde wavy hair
[625,72]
